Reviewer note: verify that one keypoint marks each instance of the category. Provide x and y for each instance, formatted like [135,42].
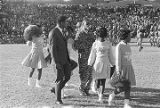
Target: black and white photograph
[79,53]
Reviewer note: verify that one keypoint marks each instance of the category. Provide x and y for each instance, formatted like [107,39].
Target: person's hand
[59,66]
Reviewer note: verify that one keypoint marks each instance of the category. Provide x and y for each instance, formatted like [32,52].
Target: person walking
[60,55]
[101,59]
[83,43]
[35,59]
[124,68]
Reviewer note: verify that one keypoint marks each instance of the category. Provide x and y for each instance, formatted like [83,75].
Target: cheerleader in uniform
[100,59]
[124,67]
[35,59]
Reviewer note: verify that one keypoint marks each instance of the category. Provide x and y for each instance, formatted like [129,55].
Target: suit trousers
[63,76]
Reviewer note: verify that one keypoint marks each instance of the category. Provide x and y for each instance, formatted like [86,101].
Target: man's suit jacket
[58,47]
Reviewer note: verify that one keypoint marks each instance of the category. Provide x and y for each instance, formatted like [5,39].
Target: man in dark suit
[59,53]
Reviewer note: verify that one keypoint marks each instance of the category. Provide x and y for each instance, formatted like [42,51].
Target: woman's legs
[39,77]
[127,97]
[94,86]
[101,87]
[31,72]
[126,89]
[30,76]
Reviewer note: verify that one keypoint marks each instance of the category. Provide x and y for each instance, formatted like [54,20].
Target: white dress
[35,59]
[101,58]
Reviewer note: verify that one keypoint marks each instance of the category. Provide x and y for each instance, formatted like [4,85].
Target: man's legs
[89,80]
[59,80]
[67,75]
[86,79]
[81,73]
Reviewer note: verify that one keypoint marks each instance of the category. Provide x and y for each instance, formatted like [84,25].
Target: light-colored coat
[101,58]
[123,62]
[35,59]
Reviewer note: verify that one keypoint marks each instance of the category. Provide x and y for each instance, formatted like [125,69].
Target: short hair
[61,19]
[69,28]
[30,31]
[102,32]
[124,33]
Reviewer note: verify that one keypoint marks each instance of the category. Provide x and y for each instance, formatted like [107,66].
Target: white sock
[29,81]
[110,99]
[37,83]
[126,103]
[100,97]
[63,95]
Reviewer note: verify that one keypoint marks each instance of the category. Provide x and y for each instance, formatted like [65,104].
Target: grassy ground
[15,93]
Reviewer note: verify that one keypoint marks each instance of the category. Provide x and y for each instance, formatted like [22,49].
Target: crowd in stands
[21,14]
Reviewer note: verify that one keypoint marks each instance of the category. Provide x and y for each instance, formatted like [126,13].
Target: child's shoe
[29,81]
[100,100]
[63,94]
[37,84]
[111,97]
[126,103]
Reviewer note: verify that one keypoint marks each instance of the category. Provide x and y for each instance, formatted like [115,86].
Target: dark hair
[30,31]
[102,32]
[124,33]
[142,30]
[61,19]
[69,28]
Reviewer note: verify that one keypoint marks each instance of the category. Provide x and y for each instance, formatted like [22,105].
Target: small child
[101,58]
[123,67]
[35,59]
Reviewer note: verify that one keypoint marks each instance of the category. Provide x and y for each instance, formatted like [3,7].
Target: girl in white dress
[124,67]
[35,59]
[101,58]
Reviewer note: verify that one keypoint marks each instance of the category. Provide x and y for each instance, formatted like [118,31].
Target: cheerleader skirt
[35,60]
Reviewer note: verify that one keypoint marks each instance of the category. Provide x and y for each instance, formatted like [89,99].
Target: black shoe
[87,92]
[59,102]
[53,90]
[82,92]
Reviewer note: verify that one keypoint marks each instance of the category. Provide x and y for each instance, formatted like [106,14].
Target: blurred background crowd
[15,16]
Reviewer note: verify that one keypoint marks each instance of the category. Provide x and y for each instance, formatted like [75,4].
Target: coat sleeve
[111,57]
[118,58]
[92,55]
[53,42]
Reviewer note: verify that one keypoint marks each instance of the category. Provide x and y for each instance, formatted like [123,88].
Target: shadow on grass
[140,98]
[146,96]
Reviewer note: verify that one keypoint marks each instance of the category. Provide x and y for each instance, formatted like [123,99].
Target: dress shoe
[82,92]
[87,92]
[59,102]
[53,90]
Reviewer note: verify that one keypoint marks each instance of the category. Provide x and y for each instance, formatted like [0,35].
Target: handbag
[117,81]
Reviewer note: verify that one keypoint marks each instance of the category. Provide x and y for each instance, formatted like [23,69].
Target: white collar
[122,42]
[59,28]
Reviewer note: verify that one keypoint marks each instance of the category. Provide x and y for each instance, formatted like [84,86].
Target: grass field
[15,93]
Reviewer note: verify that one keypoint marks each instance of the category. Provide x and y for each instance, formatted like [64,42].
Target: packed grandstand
[15,16]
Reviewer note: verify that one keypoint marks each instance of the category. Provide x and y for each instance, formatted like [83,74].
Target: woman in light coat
[124,67]
[100,60]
